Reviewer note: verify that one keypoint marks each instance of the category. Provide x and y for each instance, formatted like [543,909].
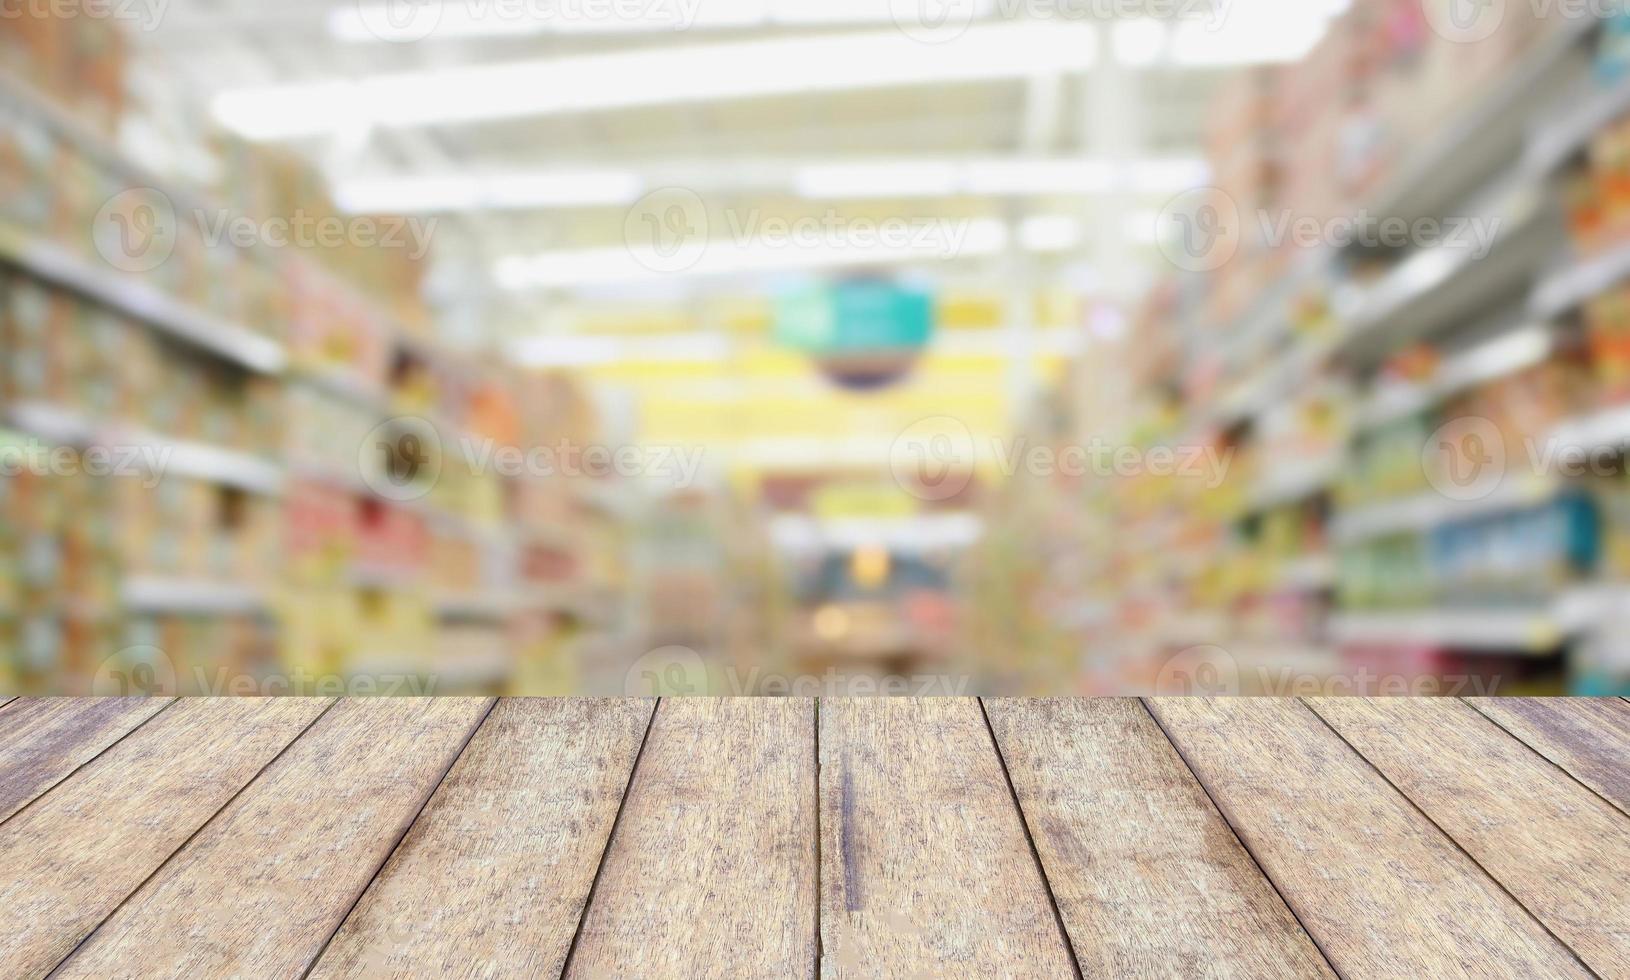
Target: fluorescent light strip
[376,22]
[819,181]
[997,177]
[654,77]
[424,195]
[604,265]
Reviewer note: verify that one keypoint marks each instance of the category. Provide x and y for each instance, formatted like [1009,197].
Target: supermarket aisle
[1275,350]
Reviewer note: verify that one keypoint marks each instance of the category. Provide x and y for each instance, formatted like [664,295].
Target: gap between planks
[406,829]
[192,836]
[1244,845]
[1451,838]
[1030,840]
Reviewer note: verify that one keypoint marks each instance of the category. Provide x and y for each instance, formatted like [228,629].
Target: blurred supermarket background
[814,346]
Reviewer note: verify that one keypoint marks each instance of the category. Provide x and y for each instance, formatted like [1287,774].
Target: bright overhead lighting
[423,195]
[903,178]
[854,180]
[1138,42]
[655,76]
[1050,233]
[998,177]
[1251,35]
[375,21]
[947,239]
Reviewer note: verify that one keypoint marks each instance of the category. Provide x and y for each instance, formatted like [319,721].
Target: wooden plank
[264,885]
[74,855]
[711,870]
[1149,879]
[926,869]
[493,877]
[1589,737]
[43,740]
[1383,891]
[1559,849]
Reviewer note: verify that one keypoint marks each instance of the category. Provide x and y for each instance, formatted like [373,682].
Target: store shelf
[138,301]
[186,596]
[346,386]
[191,460]
[1307,574]
[1443,169]
[1576,284]
[1295,481]
[1521,348]
[1480,629]
[1565,135]
[1538,631]
[1607,429]
[1443,285]
[482,607]
[1426,511]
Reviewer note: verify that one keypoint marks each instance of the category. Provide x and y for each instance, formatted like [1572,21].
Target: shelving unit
[443,570]
[1264,567]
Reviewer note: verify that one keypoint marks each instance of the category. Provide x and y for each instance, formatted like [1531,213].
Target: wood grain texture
[926,870]
[1560,849]
[1589,737]
[1381,889]
[42,740]
[74,855]
[264,885]
[711,870]
[493,877]
[1149,878]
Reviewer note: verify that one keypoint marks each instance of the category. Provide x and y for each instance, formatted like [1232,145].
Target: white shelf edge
[1426,511]
[138,301]
[158,594]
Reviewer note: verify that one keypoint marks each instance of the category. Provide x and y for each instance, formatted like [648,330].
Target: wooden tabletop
[794,838]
